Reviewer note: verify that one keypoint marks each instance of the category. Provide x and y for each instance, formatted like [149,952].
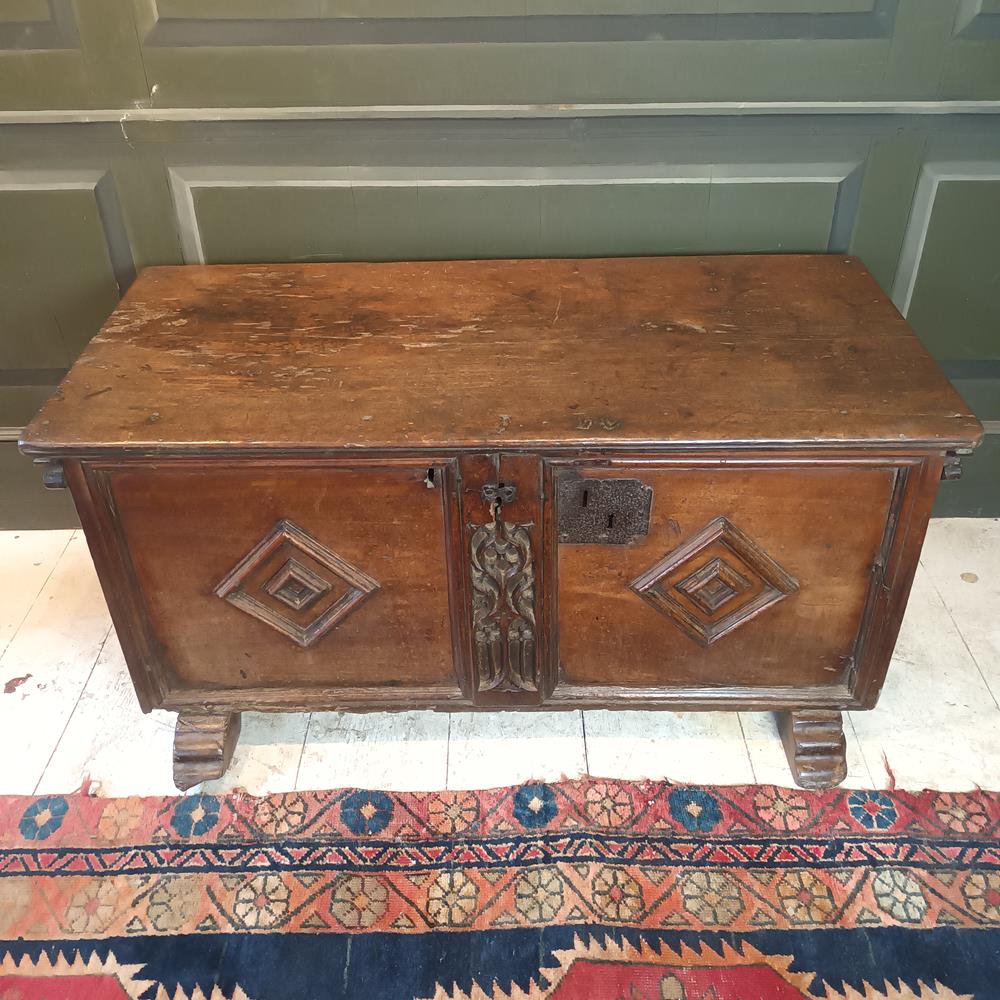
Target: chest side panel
[281,576]
[747,577]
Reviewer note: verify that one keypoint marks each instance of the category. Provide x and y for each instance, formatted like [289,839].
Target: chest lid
[671,351]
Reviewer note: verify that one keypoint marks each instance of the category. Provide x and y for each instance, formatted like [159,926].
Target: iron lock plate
[601,511]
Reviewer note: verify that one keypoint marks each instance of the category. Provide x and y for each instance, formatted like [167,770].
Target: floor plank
[490,749]
[936,723]
[397,751]
[767,754]
[962,558]
[677,746]
[28,558]
[109,741]
[267,755]
[55,649]
[75,715]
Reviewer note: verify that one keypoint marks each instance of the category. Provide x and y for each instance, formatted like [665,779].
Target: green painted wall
[137,132]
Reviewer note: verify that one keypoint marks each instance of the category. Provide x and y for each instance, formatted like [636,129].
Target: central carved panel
[296,585]
[714,585]
[714,582]
[503,608]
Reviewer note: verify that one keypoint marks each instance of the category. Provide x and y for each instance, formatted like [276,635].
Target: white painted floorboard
[963,564]
[489,749]
[28,559]
[696,747]
[402,752]
[50,659]
[109,740]
[71,715]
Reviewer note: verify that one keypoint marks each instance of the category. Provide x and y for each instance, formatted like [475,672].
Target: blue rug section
[402,967]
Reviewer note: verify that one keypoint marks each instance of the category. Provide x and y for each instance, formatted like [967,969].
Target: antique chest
[696,483]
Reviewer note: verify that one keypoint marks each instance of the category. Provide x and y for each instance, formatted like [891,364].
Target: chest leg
[203,746]
[815,745]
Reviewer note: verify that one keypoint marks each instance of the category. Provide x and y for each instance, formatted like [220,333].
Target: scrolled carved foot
[203,746]
[815,745]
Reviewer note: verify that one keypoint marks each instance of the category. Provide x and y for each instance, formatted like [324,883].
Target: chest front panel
[270,576]
[746,577]
[588,579]
[508,580]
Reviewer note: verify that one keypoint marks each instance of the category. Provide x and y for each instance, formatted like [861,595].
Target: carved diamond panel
[296,585]
[714,585]
[714,582]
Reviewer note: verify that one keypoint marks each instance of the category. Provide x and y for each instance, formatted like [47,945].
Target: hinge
[53,473]
[878,573]
[952,468]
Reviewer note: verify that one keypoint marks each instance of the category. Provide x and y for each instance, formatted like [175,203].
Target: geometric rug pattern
[587,888]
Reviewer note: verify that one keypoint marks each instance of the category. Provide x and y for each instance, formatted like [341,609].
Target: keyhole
[586,497]
[611,521]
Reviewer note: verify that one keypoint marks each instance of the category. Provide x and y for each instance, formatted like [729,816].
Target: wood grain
[815,745]
[203,746]
[286,476]
[188,527]
[823,526]
[674,352]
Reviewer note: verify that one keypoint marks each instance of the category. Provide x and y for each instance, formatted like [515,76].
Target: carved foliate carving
[503,607]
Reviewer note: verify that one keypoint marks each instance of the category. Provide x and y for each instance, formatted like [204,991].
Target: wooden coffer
[696,483]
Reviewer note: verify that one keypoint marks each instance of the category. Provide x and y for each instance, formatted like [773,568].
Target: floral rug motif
[589,888]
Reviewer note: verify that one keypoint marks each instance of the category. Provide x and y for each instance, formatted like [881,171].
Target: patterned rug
[580,889]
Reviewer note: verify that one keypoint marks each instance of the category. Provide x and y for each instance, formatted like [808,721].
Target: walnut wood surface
[559,353]
[189,526]
[823,526]
[280,473]
[815,746]
[203,746]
